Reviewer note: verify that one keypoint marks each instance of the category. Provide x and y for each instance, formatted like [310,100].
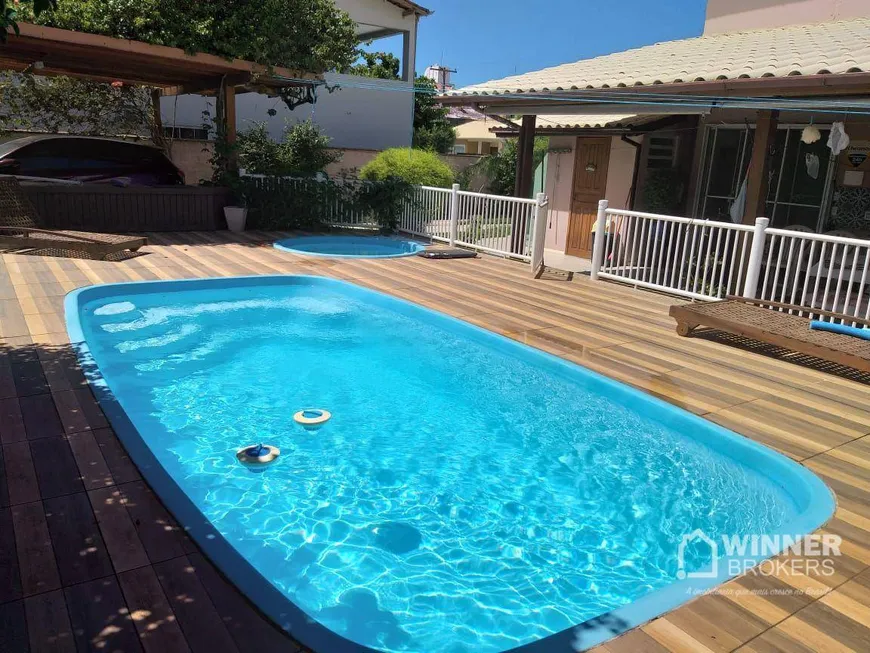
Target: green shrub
[384,200]
[280,203]
[500,168]
[414,167]
[303,152]
[663,191]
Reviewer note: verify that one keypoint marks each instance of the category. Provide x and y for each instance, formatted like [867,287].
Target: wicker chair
[21,227]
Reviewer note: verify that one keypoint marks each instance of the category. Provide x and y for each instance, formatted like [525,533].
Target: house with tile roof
[731,125]
[474,131]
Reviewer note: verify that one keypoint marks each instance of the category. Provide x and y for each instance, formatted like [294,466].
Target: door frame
[577,142]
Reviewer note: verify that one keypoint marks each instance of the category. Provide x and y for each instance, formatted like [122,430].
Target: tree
[500,168]
[309,35]
[432,130]
[304,151]
[381,65]
[416,167]
[63,104]
[306,35]
[8,15]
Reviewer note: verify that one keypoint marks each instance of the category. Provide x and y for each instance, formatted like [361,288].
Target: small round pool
[350,246]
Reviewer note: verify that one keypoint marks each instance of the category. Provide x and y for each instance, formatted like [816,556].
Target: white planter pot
[236,217]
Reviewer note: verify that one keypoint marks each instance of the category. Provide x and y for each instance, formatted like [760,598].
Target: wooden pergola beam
[525,175]
[103,58]
[525,157]
[759,166]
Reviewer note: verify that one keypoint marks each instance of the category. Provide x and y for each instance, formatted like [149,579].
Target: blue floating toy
[258,455]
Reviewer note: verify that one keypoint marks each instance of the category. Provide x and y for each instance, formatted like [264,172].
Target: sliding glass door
[799,175]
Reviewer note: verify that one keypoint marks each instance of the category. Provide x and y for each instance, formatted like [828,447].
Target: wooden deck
[90,560]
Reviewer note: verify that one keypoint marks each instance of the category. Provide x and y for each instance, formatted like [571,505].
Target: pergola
[170,71]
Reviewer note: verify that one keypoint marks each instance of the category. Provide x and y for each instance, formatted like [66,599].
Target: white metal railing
[488,223]
[818,271]
[496,224]
[694,258]
[506,226]
[708,260]
[427,213]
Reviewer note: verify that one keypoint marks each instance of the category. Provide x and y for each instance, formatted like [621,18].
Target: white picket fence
[512,227]
[495,224]
[428,213]
[707,260]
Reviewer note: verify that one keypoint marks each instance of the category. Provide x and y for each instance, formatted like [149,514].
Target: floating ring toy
[258,454]
[312,418]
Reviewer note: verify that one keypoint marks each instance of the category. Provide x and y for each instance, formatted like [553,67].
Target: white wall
[620,172]
[359,118]
[559,186]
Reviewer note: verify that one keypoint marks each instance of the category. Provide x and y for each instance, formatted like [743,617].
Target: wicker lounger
[21,227]
[749,319]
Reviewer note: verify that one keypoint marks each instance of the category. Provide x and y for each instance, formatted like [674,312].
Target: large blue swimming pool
[468,494]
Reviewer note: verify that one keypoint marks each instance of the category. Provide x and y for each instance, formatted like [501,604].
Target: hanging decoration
[810,134]
[812,163]
[838,139]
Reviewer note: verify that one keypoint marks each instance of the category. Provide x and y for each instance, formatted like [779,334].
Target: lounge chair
[761,321]
[21,227]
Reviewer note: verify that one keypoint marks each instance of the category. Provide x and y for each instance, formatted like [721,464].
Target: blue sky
[488,39]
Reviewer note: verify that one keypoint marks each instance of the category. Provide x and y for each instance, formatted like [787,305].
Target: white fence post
[599,237]
[539,232]
[454,214]
[753,269]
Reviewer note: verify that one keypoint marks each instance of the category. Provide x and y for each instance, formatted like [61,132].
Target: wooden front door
[590,179]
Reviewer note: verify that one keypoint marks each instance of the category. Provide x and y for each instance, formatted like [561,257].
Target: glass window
[662,152]
[798,176]
[726,163]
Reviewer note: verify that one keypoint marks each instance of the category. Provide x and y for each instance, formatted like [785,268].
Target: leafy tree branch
[307,35]
[9,10]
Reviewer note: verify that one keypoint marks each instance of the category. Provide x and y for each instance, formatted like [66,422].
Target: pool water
[351,246]
[468,493]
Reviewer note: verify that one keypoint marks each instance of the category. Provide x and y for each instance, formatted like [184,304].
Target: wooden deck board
[96,561]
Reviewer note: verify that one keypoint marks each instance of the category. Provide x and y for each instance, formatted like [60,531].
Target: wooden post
[525,157]
[229,117]
[157,135]
[230,113]
[759,165]
[524,177]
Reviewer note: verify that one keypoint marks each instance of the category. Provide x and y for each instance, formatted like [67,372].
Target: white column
[598,238]
[454,214]
[539,231]
[756,254]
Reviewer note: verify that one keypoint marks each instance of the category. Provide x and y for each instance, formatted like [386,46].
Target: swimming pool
[351,246]
[468,493]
